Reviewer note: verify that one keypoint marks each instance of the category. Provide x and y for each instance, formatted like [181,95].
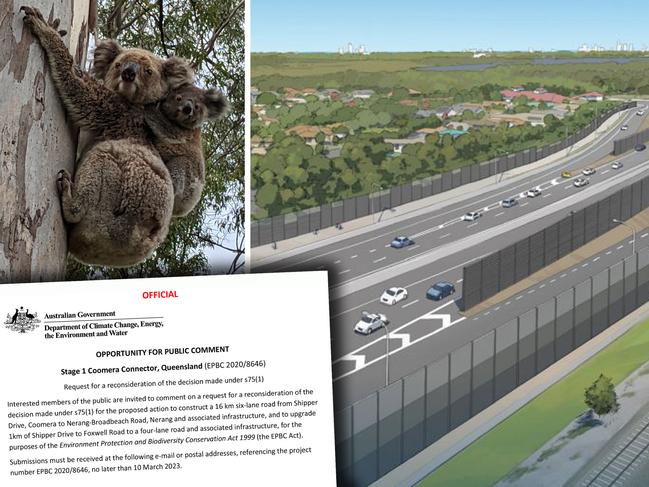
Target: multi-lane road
[362,266]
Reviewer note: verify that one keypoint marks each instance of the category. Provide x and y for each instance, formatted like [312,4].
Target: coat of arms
[22,320]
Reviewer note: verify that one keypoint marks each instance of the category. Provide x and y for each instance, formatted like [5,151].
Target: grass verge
[500,450]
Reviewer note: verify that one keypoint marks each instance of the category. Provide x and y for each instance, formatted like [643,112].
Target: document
[219,380]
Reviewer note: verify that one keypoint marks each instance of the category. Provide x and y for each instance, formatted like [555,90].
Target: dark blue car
[400,242]
[440,291]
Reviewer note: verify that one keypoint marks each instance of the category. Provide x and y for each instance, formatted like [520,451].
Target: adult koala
[120,203]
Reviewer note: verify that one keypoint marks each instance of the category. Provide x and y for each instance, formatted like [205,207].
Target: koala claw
[62,180]
[32,12]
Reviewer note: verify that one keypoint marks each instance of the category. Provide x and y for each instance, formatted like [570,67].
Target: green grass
[499,451]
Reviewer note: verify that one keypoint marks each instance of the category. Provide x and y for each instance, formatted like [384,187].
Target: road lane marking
[459,280]
[620,247]
[596,259]
[472,225]
[524,204]
[372,251]
[519,297]
[412,247]
[563,275]
[604,172]
[508,303]
[541,286]
[585,264]
[354,256]
[410,303]
[379,260]
[574,270]
[445,235]
[609,252]
[553,281]
[644,235]
[337,262]
[345,271]
[568,187]
[546,195]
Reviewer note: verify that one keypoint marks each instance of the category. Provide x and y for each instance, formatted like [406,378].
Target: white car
[640,113]
[616,165]
[624,127]
[589,171]
[580,182]
[370,322]
[471,216]
[393,295]
[533,193]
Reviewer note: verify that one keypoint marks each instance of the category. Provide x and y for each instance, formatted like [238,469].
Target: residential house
[547,97]
[399,144]
[310,132]
[592,96]
[362,94]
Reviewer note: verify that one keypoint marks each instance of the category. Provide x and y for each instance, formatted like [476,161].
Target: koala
[175,124]
[120,204]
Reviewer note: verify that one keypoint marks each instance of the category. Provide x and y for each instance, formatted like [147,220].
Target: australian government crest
[22,321]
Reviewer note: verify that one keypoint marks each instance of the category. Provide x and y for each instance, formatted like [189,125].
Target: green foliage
[267,98]
[600,396]
[210,34]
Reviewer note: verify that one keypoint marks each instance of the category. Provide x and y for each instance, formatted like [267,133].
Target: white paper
[91,404]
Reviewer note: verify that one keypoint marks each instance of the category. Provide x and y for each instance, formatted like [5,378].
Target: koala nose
[187,109]
[129,72]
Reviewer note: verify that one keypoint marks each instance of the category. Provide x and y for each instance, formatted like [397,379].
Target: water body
[542,61]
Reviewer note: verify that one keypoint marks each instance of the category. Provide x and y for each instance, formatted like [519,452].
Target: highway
[421,330]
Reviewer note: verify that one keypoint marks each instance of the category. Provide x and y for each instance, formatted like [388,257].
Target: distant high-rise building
[350,48]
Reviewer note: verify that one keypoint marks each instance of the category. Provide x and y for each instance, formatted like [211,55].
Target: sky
[419,25]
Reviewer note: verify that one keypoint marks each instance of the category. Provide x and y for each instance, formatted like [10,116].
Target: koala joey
[175,124]
[120,204]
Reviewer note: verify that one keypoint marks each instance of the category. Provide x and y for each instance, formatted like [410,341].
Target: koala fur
[120,203]
[175,123]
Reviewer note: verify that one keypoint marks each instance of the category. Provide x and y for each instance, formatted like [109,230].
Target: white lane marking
[379,260]
[568,187]
[644,235]
[585,264]
[410,303]
[620,247]
[337,262]
[519,297]
[531,291]
[554,182]
[574,270]
[604,172]
[496,309]
[472,225]
[546,195]
[541,286]
[354,256]
[553,281]
[563,275]
[345,271]
[372,251]
[388,245]
[630,242]
[524,204]
[459,280]
[596,259]
[609,252]
[487,313]
[445,235]
[412,247]
[500,214]
[508,303]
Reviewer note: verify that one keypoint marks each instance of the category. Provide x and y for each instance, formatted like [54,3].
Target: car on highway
[393,295]
[580,182]
[640,113]
[566,174]
[589,171]
[440,290]
[533,193]
[400,242]
[508,202]
[616,165]
[370,322]
[471,216]
[640,147]
[624,127]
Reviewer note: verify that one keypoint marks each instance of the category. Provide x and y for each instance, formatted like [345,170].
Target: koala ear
[105,53]
[177,72]
[217,105]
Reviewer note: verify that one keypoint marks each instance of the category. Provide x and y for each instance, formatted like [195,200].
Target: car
[508,202]
[580,182]
[566,174]
[616,165]
[533,193]
[640,147]
[393,295]
[370,322]
[471,216]
[624,127]
[589,171]
[440,290]
[640,113]
[400,242]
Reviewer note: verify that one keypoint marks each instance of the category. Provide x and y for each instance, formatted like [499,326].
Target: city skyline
[419,26]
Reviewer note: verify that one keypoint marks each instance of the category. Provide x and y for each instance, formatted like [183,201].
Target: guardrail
[282,227]
[380,432]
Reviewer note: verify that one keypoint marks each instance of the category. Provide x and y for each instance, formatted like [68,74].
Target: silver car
[370,322]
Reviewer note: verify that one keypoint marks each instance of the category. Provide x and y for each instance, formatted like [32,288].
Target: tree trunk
[36,141]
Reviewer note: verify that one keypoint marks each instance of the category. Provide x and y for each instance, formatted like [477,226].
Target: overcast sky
[419,25]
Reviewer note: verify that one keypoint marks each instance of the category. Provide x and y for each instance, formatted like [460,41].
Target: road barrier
[495,272]
[282,227]
[628,143]
[380,432]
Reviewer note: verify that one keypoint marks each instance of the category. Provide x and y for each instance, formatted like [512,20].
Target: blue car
[400,242]
[440,291]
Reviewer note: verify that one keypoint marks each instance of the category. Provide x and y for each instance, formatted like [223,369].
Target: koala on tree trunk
[175,123]
[120,203]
